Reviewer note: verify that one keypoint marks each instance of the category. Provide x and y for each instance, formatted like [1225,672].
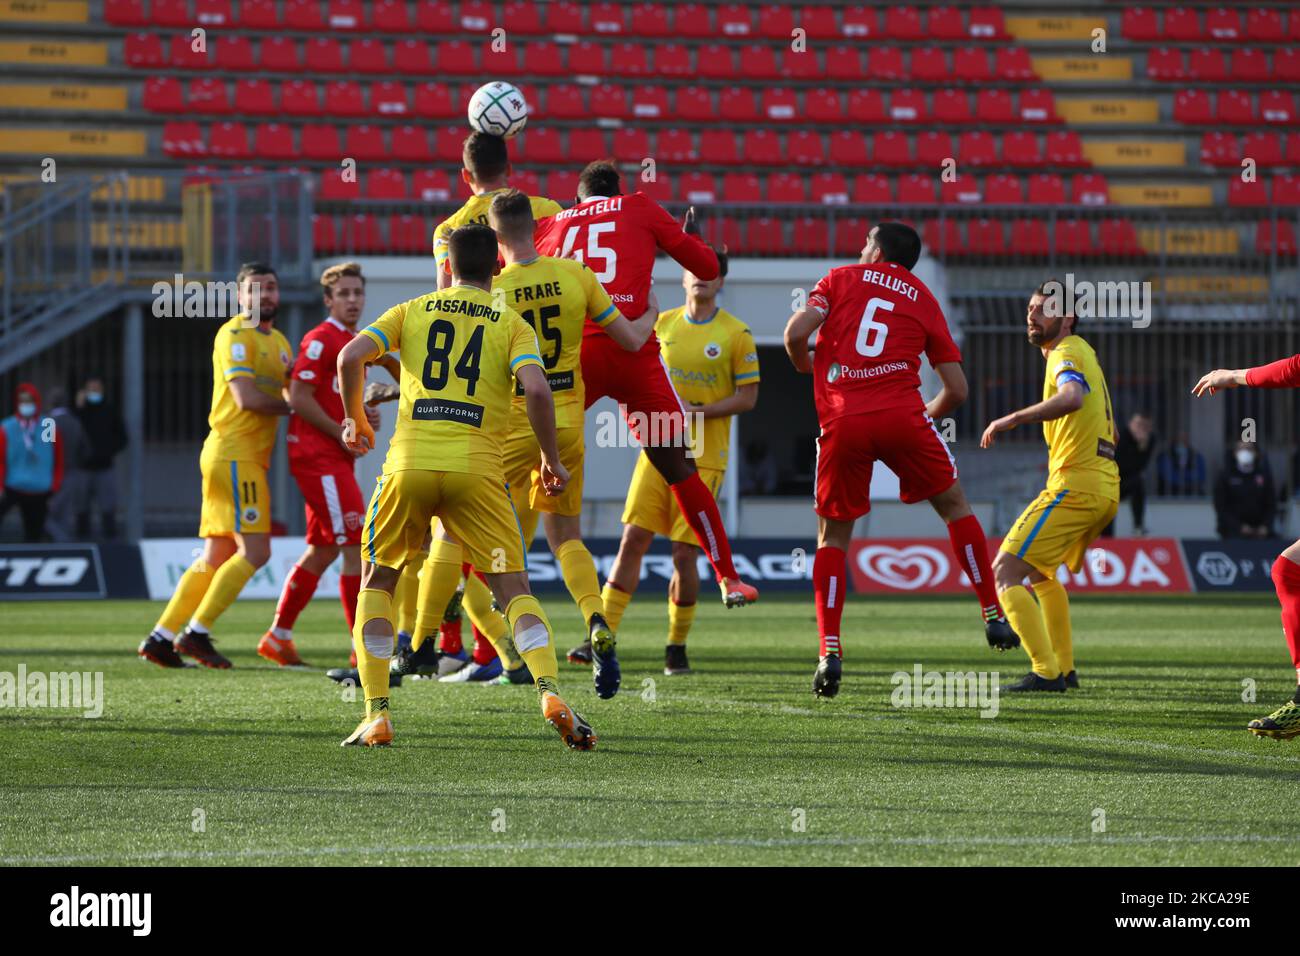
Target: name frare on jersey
[892,283]
[542,290]
[442,410]
[473,310]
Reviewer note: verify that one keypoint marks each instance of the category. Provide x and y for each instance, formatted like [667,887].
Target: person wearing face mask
[1245,499]
[106,437]
[31,462]
[70,499]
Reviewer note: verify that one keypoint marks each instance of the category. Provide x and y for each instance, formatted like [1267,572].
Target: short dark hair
[485,156]
[1046,290]
[898,243]
[473,251]
[511,213]
[722,263]
[600,178]
[255,268]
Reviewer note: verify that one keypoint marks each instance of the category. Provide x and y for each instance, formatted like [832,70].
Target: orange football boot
[576,732]
[376,731]
[278,651]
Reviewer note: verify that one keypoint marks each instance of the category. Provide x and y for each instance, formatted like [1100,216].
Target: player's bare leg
[277,644]
[563,533]
[1026,617]
[700,509]
[1284,723]
[829,587]
[971,549]
[251,552]
[683,593]
[536,645]
[159,646]
[374,637]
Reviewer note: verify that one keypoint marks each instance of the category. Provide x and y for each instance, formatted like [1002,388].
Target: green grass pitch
[735,764]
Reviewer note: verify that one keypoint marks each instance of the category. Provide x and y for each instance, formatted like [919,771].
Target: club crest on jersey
[284,358]
[712,350]
[314,349]
[250,515]
[833,373]
[238,352]
[352,521]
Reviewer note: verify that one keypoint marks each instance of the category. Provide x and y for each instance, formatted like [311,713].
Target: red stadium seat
[692,20]
[503,61]
[455,57]
[907,106]
[886,63]
[994,106]
[978,148]
[818,22]
[672,59]
[952,106]
[344,98]
[524,17]
[929,64]
[971,65]
[183,139]
[810,236]
[303,15]
[368,56]
[1247,194]
[1029,238]
[801,64]
[764,236]
[299,98]
[1046,189]
[412,57]
[903,23]
[945,23]
[587,57]
[321,141]
[1182,24]
[1003,190]
[1064,148]
[448,147]
[650,102]
[805,148]
[694,103]
[1165,63]
[735,20]
[360,233]
[169,13]
[388,184]
[280,55]
[565,101]
[891,148]
[1073,237]
[738,105]
[1089,189]
[345,15]
[390,16]
[844,63]
[986,23]
[1038,106]
[476,16]
[333,185]
[324,234]
[1117,237]
[848,148]
[917,188]
[258,15]
[943,239]
[823,106]
[763,147]
[543,58]
[660,189]
[1276,106]
[235,54]
[184,56]
[1208,64]
[608,100]
[1139,23]
[865,107]
[565,17]
[273,141]
[208,95]
[1286,190]
[859,22]
[586,145]
[1193,106]
[934,148]
[829,188]
[629,59]
[437,101]
[213,13]
[229,141]
[1219,149]
[1012,64]
[1265,148]
[985,237]
[125,13]
[365,142]
[430,185]
[1223,25]
[1279,237]
[675,146]
[872,189]
[631,144]
[741,187]
[1264,24]
[962,191]
[163,94]
[407,234]
[388,98]
[776,22]
[698,188]
[1286,63]
[780,105]
[849,235]
[411,145]
[1235,107]
[650,20]
[758,62]
[1250,66]
[1021,148]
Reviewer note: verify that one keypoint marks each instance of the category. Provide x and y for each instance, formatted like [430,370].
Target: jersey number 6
[872,334]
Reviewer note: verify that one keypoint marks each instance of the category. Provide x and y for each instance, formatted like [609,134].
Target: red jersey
[618,238]
[879,319]
[1284,373]
[310,449]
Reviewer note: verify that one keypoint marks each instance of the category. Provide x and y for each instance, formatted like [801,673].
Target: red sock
[1286,578]
[484,652]
[972,551]
[349,588]
[828,587]
[700,510]
[449,637]
[299,586]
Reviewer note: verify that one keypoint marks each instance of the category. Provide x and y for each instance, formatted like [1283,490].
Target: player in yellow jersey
[1081,497]
[250,373]
[487,174]
[555,297]
[713,365]
[462,353]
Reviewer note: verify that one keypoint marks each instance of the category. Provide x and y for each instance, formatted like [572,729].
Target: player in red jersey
[321,464]
[1283,723]
[875,319]
[618,237]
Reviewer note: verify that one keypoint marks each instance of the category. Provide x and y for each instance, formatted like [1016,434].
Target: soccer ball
[498,108]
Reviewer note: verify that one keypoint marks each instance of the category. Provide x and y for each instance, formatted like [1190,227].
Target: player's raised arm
[1284,373]
[797,333]
[1068,398]
[684,244]
[953,390]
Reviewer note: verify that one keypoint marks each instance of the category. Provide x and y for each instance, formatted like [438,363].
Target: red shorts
[335,509]
[905,440]
[638,381]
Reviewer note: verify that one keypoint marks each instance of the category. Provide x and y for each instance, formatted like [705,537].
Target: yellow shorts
[1057,529]
[652,505]
[475,508]
[236,498]
[523,459]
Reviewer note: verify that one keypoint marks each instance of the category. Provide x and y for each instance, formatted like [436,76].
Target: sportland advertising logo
[910,565]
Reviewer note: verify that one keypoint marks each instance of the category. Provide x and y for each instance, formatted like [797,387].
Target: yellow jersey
[459,351]
[1081,445]
[556,297]
[266,357]
[476,210]
[708,360]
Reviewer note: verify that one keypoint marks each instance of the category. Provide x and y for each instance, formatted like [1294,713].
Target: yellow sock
[535,644]
[228,581]
[1027,620]
[680,617]
[478,607]
[579,571]
[374,651]
[190,589]
[407,593]
[438,583]
[1055,604]
[616,601]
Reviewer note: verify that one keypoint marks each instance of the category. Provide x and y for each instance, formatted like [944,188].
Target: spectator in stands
[106,437]
[70,500]
[1245,498]
[31,462]
[1137,441]
[758,477]
[1180,470]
